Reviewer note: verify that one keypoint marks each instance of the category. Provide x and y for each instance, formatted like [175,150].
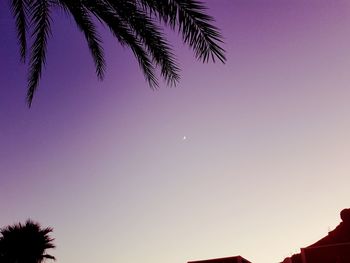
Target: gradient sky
[265,166]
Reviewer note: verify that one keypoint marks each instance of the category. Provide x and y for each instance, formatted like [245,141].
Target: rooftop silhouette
[333,248]
[236,259]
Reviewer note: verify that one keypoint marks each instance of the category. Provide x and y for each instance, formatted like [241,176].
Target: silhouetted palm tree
[25,243]
[134,23]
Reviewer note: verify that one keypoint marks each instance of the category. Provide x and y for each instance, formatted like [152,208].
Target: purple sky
[265,166]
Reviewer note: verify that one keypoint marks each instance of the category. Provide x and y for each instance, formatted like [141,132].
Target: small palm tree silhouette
[134,23]
[25,243]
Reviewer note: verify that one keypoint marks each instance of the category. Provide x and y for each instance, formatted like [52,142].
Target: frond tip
[194,24]
[41,22]
[19,10]
[198,32]
[83,20]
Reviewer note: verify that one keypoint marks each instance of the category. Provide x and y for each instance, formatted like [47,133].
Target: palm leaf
[150,35]
[122,32]
[194,25]
[19,10]
[41,23]
[85,24]
[134,23]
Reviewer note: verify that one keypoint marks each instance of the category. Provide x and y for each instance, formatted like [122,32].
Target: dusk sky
[264,168]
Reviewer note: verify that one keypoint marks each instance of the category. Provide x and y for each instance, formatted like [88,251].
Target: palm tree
[134,23]
[25,243]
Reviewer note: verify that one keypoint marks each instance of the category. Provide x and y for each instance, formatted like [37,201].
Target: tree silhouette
[25,243]
[134,23]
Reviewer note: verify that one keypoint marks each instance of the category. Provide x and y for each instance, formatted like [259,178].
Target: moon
[184,138]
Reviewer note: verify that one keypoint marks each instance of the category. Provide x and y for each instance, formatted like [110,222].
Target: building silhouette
[333,248]
[237,259]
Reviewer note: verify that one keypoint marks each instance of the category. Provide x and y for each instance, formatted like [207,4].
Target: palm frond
[163,10]
[19,10]
[194,25]
[198,31]
[41,22]
[150,35]
[85,24]
[125,36]
[134,23]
